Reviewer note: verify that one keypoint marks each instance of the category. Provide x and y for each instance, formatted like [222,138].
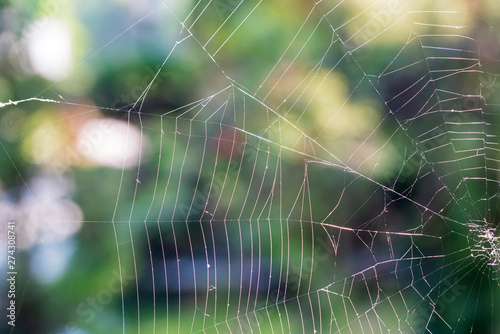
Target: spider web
[331,190]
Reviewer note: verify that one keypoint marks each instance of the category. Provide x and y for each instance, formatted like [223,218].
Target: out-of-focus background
[244,166]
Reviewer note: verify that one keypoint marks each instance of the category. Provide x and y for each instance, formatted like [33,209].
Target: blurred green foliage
[119,72]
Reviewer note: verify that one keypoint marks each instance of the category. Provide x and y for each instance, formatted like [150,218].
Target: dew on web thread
[485,246]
